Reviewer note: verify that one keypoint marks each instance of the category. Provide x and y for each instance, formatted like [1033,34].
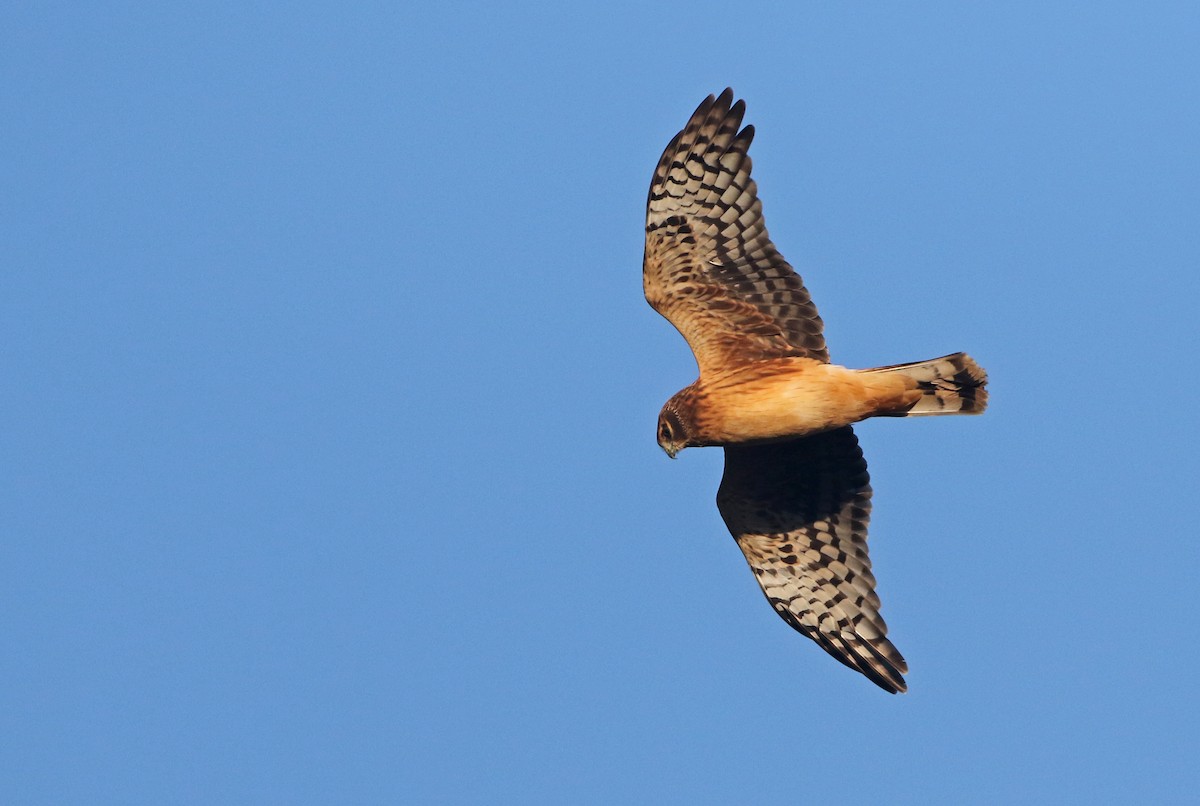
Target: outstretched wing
[799,511]
[710,267]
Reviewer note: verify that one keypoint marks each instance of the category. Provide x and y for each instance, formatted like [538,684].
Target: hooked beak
[671,450]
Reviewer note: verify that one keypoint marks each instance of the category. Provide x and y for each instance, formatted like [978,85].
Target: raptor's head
[673,433]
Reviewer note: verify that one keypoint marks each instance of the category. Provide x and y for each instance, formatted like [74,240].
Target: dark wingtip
[881,664]
[884,669]
[746,135]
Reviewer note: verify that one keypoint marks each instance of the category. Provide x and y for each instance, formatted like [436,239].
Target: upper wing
[710,267]
[799,512]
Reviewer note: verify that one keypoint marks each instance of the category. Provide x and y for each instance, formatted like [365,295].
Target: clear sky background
[329,395]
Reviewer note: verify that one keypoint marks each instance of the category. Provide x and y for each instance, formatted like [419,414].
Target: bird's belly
[784,405]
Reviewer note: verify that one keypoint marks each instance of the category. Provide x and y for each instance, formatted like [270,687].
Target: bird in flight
[795,494]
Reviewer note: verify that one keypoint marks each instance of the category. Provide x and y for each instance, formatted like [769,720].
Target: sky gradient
[329,470]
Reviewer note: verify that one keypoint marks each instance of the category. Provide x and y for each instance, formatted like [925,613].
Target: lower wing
[799,512]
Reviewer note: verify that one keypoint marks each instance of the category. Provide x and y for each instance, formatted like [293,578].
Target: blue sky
[329,470]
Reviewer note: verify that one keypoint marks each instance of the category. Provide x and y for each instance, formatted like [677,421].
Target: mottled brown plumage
[795,494]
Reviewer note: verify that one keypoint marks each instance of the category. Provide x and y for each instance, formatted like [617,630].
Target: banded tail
[952,384]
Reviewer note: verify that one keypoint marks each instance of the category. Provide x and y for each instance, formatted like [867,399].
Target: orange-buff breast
[793,397]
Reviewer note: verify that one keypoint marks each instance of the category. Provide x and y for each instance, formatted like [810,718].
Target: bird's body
[795,493]
[781,398]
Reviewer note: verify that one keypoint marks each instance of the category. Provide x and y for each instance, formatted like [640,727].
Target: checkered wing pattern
[710,267]
[799,512]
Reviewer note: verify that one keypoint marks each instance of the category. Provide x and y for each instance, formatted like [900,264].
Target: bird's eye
[665,431]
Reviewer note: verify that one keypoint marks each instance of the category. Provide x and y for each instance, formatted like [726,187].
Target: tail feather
[952,384]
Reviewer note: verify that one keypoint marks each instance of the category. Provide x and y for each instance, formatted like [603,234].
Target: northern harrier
[795,493]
